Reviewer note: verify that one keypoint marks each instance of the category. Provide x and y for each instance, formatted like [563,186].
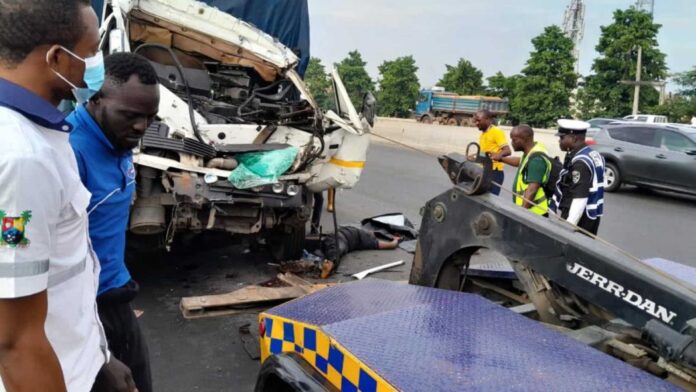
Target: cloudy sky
[494,35]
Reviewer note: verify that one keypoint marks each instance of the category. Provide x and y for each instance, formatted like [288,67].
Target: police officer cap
[572,127]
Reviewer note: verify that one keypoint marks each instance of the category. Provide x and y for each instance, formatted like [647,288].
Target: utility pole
[636,92]
[574,27]
[659,85]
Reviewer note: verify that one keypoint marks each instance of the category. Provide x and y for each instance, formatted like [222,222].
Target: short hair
[26,25]
[119,67]
[486,114]
[526,131]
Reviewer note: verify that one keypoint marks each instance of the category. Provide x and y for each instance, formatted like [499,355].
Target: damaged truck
[231,98]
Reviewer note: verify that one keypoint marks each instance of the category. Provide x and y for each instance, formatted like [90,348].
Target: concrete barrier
[441,139]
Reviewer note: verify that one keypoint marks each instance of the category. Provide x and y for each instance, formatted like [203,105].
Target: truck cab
[230,94]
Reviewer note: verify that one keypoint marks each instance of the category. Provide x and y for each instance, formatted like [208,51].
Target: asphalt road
[645,223]
[208,354]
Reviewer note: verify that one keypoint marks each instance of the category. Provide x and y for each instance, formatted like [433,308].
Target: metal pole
[636,93]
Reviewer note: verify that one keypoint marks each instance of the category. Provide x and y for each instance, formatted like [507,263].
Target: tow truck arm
[568,276]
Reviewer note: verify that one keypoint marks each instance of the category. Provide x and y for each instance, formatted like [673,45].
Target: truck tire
[286,242]
[452,121]
[426,119]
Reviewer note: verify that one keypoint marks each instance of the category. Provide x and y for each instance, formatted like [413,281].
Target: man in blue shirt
[105,131]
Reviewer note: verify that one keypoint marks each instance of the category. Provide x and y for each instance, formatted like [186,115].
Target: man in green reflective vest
[533,170]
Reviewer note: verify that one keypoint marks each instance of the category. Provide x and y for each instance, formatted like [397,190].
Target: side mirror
[369,108]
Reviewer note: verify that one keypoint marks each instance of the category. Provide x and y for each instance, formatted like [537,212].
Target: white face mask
[93,76]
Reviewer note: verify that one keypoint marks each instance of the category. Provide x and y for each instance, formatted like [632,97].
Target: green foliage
[463,79]
[618,49]
[503,86]
[398,87]
[682,106]
[542,94]
[319,84]
[355,77]
[687,83]
[679,109]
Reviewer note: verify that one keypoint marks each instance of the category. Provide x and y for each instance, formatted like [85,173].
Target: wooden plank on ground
[307,286]
[250,296]
[247,297]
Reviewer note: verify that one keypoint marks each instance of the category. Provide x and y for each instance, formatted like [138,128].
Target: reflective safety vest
[521,186]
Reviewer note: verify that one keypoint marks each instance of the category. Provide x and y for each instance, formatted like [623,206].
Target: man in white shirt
[50,335]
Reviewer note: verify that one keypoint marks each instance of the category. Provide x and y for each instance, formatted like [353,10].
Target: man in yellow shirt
[494,144]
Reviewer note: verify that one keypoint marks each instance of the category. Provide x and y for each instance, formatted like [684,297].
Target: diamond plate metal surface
[422,339]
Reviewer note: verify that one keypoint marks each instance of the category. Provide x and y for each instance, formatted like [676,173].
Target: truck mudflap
[376,335]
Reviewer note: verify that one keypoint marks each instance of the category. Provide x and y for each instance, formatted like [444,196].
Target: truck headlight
[293,190]
[278,187]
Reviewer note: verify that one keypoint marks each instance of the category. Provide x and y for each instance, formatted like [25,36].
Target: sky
[495,35]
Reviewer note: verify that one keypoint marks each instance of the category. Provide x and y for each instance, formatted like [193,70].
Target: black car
[649,155]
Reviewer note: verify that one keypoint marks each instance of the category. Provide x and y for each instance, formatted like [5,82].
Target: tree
[463,79]
[618,54]
[503,86]
[355,77]
[543,92]
[682,106]
[398,87]
[687,83]
[318,82]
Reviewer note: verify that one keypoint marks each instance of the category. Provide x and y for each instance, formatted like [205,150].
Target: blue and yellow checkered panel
[341,368]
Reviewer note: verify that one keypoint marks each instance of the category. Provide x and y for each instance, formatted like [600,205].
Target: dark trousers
[126,341]
[498,177]
[591,225]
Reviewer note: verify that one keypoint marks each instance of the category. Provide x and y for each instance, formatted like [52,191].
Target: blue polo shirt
[109,175]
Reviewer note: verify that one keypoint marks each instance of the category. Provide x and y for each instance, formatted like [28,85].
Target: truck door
[423,103]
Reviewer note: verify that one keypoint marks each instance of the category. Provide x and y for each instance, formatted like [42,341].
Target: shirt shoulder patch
[13,228]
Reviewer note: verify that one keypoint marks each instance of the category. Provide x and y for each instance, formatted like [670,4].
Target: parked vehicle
[599,122]
[649,155]
[436,105]
[228,89]
[647,118]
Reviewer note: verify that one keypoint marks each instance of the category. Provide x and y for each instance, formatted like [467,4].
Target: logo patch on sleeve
[13,228]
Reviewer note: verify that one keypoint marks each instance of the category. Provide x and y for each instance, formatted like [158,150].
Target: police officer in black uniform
[579,197]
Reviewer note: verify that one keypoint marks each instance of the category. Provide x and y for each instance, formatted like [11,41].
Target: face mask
[93,77]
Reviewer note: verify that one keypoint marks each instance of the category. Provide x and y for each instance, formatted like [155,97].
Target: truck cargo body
[452,109]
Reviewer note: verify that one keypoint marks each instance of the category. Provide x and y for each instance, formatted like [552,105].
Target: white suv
[647,118]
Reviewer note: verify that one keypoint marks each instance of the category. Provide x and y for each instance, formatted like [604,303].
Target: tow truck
[564,312]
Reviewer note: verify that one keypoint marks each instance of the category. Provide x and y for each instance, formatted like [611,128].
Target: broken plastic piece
[262,168]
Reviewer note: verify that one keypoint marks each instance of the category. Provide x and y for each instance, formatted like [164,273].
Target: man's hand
[114,376]
[497,156]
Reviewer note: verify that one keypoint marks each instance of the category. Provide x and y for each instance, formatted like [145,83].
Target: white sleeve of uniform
[577,208]
[29,206]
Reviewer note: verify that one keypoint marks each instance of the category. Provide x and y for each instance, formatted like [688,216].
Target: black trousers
[126,340]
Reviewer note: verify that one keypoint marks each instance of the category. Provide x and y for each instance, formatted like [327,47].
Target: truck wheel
[287,242]
[426,119]
[452,122]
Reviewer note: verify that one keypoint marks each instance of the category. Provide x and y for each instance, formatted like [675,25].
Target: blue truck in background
[438,106]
